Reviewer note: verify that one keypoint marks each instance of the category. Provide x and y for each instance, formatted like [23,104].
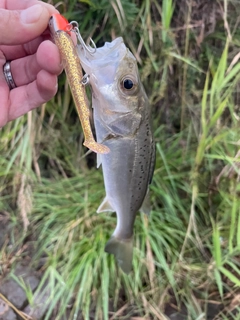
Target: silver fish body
[122,123]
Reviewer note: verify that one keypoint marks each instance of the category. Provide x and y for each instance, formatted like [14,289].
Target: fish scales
[122,122]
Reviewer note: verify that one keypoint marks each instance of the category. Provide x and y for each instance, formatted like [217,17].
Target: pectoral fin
[125,124]
[105,206]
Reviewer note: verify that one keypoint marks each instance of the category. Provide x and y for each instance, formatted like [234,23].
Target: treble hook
[88,48]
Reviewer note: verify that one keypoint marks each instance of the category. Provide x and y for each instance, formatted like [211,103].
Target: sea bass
[122,122]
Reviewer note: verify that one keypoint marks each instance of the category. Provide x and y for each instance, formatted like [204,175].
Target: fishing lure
[61,30]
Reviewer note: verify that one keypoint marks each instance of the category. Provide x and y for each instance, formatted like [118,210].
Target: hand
[34,59]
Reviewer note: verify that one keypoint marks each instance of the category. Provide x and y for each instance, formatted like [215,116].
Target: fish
[121,112]
[61,30]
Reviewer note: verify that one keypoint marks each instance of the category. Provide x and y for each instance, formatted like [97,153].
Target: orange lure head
[58,22]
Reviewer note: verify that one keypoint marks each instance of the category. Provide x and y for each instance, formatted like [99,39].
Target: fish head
[113,75]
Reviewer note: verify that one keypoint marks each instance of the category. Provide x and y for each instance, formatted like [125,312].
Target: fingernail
[32,14]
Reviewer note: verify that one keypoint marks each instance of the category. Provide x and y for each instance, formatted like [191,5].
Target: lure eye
[128,84]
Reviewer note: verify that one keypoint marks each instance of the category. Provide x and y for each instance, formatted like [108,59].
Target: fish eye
[128,84]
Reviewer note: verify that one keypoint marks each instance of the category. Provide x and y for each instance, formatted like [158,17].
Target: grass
[186,253]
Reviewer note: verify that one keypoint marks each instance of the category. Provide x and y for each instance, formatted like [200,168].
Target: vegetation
[187,253]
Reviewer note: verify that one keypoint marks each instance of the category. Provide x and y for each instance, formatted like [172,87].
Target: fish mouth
[110,52]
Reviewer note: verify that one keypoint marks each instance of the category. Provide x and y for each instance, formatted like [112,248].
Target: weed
[186,252]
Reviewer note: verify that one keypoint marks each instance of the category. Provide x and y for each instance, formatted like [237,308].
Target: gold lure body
[71,64]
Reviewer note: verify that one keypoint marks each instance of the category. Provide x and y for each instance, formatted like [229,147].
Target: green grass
[187,252]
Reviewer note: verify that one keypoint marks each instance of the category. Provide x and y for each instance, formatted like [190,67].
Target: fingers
[19,51]
[36,62]
[31,96]
[23,99]
[23,25]
[48,57]
[24,4]
[25,70]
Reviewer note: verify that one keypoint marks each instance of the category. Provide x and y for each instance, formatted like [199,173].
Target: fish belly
[117,172]
[126,170]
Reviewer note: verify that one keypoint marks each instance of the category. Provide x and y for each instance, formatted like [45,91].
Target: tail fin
[123,252]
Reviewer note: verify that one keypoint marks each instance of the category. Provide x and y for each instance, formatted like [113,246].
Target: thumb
[21,26]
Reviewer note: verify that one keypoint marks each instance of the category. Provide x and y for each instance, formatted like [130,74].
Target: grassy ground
[187,252]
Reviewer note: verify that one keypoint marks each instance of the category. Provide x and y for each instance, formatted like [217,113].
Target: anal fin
[105,206]
[99,160]
[146,205]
